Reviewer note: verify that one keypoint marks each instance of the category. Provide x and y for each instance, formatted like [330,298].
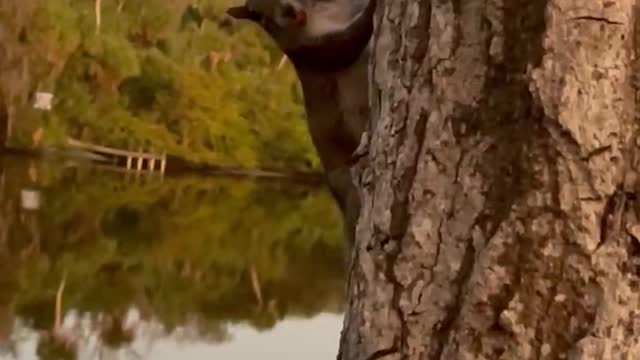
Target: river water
[96,264]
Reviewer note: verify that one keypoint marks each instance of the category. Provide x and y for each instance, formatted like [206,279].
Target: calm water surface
[101,265]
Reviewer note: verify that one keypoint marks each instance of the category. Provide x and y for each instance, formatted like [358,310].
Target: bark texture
[498,184]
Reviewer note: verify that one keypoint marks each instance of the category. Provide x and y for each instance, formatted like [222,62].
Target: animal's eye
[289,11]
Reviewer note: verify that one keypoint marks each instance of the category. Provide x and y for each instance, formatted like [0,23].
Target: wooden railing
[134,160]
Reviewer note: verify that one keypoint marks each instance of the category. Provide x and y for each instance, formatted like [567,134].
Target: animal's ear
[243,13]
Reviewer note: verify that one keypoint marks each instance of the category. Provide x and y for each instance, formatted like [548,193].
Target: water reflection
[97,265]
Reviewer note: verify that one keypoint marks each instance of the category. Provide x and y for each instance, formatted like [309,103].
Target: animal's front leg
[346,195]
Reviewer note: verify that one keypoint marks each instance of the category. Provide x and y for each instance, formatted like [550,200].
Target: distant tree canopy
[175,76]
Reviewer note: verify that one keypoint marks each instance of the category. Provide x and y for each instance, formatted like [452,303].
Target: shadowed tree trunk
[500,218]
[15,62]
[98,11]
[4,123]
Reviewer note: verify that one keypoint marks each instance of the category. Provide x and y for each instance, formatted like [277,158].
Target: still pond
[96,264]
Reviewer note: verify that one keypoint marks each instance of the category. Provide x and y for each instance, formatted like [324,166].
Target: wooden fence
[132,161]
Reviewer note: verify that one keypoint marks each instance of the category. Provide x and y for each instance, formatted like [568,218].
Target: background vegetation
[178,249]
[167,75]
[174,76]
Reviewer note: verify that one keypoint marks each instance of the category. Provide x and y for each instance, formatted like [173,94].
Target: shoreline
[176,167]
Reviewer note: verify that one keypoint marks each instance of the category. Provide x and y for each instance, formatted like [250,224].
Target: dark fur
[333,73]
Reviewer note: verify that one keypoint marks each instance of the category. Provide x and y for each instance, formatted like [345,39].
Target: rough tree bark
[500,217]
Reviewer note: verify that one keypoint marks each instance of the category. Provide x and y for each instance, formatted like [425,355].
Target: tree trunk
[500,218]
[4,122]
[98,11]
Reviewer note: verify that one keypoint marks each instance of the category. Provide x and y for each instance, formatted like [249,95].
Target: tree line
[175,76]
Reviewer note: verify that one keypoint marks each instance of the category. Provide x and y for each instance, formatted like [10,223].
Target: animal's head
[298,23]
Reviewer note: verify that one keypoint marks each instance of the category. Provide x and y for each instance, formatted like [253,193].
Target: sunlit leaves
[203,88]
[116,54]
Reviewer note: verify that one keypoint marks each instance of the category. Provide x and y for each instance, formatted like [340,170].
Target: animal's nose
[294,15]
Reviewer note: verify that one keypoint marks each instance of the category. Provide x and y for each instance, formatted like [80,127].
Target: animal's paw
[362,150]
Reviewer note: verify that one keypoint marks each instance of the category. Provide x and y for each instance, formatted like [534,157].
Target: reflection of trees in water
[6,327]
[191,254]
[128,335]
[7,283]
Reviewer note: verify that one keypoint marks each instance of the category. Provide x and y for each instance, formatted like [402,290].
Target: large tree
[500,218]
[15,67]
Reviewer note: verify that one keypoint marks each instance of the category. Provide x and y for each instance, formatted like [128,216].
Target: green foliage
[147,79]
[179,248]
